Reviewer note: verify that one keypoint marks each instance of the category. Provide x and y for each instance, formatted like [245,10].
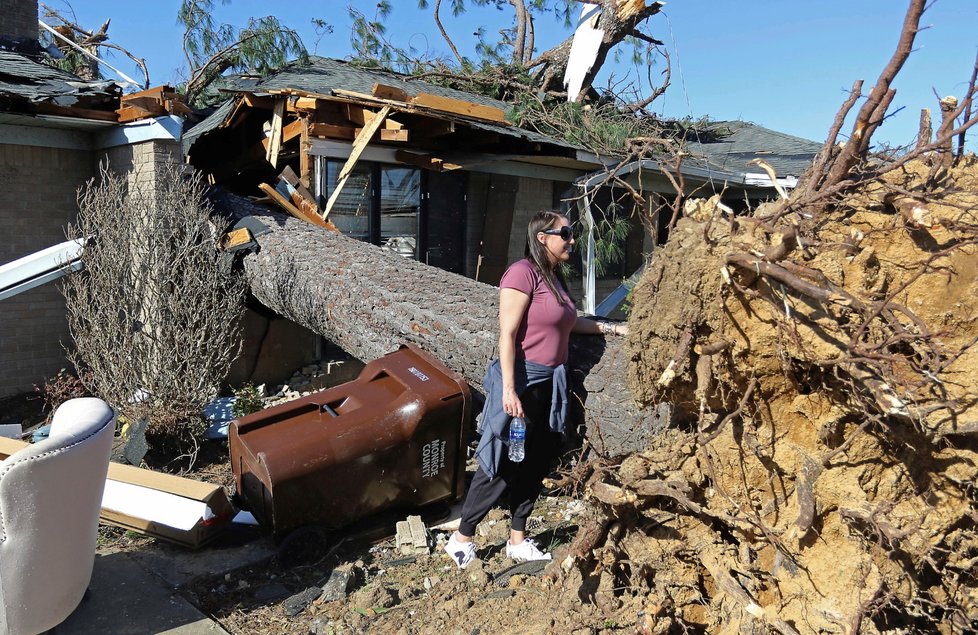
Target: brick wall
[141,160]
[37,200]
[18,19]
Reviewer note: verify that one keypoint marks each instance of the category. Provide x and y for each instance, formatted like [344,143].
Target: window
[387,216]
[400,206]
[392,206]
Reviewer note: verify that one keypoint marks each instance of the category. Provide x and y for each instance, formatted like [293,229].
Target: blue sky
[784,64]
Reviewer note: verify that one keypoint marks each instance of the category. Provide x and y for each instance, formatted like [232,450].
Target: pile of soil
[822,469]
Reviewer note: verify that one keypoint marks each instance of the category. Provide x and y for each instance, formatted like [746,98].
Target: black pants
[524,480]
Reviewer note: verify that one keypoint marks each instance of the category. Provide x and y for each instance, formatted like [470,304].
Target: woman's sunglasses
[565,232]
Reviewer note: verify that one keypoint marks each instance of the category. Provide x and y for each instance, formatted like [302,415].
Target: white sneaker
[463,553]
[525,551]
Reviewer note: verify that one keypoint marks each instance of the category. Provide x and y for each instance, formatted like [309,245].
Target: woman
[528,380]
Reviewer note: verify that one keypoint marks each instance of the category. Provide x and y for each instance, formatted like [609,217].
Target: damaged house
[440,175]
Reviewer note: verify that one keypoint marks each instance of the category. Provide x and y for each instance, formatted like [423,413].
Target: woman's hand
[511,403]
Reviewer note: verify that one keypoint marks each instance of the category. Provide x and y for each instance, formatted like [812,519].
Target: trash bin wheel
[304,545]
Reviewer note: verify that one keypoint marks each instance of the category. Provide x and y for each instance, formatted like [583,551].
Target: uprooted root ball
[828,406]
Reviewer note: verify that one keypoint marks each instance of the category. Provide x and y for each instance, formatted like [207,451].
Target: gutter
[41,267]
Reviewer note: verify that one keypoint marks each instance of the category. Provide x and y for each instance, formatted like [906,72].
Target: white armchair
[50,497]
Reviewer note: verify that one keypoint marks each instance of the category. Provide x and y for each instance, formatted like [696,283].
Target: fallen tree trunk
[369,301]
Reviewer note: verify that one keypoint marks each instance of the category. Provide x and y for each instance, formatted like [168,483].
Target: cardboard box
[172,508]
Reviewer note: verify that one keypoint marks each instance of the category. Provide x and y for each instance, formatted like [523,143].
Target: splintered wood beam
[459,107]
[289,133]
[133,112]
[176,106]
[292,195]
[358,146]
[275,137]
[290,177]
[144,102]
[286,205]
[305,164]
[392,93]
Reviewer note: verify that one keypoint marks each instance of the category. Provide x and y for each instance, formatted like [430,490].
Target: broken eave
[307,124]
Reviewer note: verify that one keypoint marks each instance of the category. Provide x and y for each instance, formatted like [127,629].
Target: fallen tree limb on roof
[369,301]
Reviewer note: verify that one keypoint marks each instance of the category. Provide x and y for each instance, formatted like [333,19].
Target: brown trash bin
[389,439]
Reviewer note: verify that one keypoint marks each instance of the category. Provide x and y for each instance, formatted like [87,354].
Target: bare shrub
[155,312]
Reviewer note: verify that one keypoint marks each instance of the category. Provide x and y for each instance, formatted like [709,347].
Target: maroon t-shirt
[545,328]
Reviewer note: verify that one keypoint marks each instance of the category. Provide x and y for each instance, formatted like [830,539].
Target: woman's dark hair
[538,255]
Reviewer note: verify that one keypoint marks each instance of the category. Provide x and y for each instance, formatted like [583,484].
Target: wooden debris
[275,136]
[237,238]
[459,107]
[358,146]
[152,102]
[290,177]
[289,133]
[286,205]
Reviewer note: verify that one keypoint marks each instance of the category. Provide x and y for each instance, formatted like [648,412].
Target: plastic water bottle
[517,438]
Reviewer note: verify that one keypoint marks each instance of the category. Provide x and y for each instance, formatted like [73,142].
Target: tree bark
[369,301]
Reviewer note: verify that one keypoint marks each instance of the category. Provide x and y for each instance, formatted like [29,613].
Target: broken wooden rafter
[152,102]
[135,113]
[305,160]
[274,140]
[286,205]
[290,177]
[308,208]
[459,107]
[358,115]
[289,132]
[358,146]
[425,104]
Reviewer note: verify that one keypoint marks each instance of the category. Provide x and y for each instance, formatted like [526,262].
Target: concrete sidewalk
[137,593]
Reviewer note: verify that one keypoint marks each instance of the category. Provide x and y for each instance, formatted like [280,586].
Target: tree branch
[444,34]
